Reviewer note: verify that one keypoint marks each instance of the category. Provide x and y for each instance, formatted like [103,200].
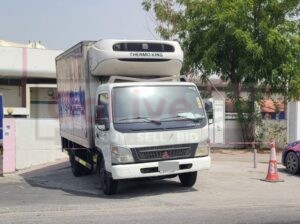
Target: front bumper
[130,171]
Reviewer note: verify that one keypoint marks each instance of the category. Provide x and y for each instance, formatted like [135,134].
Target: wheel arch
[99,156]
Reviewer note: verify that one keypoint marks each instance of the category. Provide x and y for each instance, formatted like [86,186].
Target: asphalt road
[230,192]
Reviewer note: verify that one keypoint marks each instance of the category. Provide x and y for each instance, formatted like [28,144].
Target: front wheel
[108,184]
[188,179]
[292,163]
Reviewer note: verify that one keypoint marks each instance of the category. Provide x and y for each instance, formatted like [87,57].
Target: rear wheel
[292,163]
[188,179]
[108,184]
[77,168]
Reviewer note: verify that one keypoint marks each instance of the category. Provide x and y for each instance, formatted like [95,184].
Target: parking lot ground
[230,192]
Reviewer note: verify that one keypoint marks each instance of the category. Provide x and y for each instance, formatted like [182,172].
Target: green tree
[250,43]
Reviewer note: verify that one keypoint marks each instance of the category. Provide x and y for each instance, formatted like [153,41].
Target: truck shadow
[60,177]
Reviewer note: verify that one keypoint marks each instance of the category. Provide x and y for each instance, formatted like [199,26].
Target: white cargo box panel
[76,90]
[135,58]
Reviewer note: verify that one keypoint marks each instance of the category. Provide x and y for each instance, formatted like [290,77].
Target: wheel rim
[292,162]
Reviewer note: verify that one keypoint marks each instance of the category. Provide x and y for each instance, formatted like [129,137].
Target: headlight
[121,155]
[202,150]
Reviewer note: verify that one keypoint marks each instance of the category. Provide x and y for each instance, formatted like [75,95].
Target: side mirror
[209,111]
[101,118]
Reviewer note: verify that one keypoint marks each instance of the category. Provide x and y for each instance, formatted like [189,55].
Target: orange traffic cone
[272,175]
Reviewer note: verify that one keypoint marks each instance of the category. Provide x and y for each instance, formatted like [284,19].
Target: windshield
[157,105]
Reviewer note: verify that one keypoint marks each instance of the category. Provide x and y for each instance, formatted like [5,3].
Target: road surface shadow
[60,177]
[284,170]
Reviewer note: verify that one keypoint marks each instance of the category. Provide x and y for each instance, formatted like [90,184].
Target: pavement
[230,192]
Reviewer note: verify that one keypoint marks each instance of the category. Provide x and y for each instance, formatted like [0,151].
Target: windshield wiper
[181,117]
[141,118]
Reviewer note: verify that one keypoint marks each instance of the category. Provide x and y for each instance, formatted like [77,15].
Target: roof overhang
[18,62]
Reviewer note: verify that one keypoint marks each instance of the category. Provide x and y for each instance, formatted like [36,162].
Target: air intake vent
[143,47]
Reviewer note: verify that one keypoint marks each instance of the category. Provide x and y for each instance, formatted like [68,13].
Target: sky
[60,24]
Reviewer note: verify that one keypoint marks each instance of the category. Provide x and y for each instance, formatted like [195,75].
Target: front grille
[167,152]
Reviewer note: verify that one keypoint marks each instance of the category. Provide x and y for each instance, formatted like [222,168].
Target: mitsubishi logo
[165,155]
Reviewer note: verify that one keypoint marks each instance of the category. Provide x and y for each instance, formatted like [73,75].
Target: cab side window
[103,102]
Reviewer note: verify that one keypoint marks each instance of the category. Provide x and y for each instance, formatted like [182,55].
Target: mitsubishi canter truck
[125,114]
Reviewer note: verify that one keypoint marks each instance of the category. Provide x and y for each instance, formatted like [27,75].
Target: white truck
[125,114]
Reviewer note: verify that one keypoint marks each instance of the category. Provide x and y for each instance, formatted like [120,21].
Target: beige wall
[222,94]
[37,142]
[40,63]
[233,132]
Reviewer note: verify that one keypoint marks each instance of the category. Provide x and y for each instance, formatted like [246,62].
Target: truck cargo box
[75,98]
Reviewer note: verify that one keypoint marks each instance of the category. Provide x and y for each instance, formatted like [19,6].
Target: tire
[188,179]
[292,163]
[108,184]
[78,169]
